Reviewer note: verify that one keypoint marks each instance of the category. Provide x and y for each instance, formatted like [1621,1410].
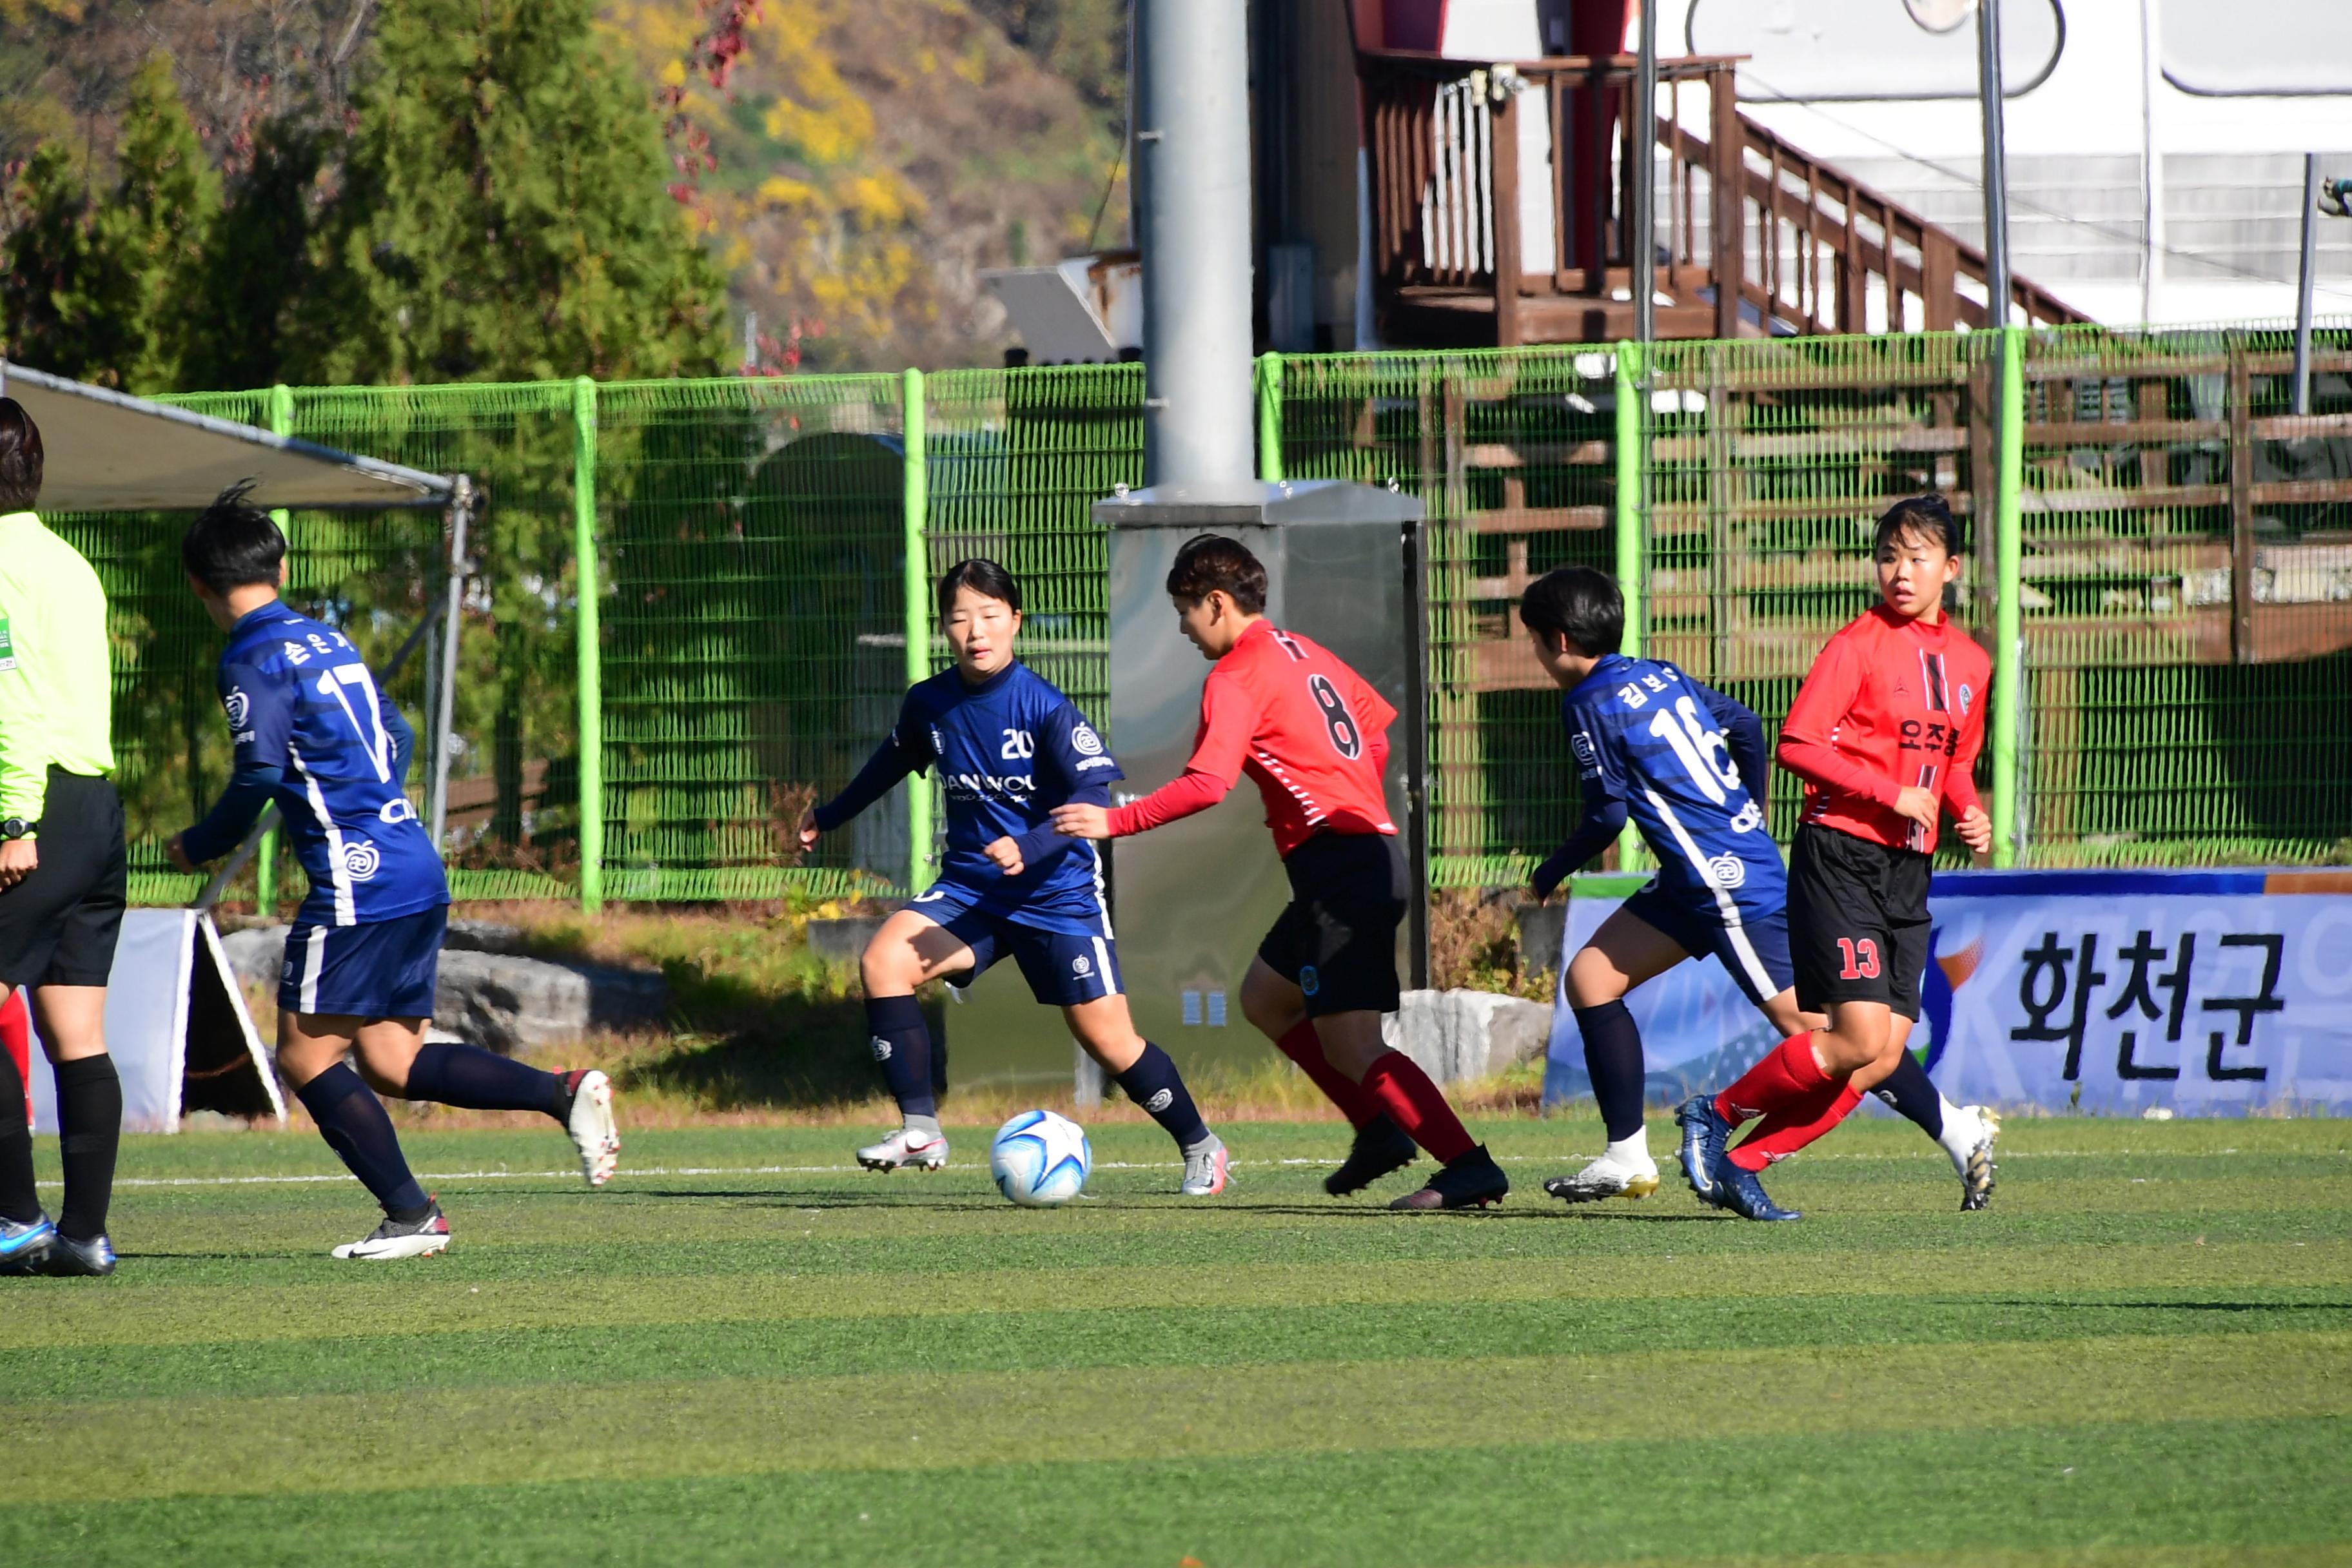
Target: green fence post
[2009,646]
[591,685]
[1633,480]
[265,857]
[1269,418]
[916,508]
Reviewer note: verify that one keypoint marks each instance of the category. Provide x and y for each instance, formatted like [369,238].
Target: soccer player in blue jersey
[1689,766]
[313,734]
[1009,748]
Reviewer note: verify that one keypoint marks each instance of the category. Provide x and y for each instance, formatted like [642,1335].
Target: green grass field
[745,1351]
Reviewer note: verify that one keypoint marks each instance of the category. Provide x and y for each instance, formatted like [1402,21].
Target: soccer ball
[1040,1159]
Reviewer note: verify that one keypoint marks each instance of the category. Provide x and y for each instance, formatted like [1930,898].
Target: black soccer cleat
[93,1259]
[1381,1147]
[1473,1181]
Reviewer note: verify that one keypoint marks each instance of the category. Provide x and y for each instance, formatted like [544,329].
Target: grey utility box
[1189,901]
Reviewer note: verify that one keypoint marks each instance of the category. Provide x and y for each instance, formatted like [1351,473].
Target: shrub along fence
[694,603]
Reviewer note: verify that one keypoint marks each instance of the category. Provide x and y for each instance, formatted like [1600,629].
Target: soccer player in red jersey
[1885,733]
[1314,737]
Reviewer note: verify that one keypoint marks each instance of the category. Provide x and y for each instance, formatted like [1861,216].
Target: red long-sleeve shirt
[1288,713]
[1889,704]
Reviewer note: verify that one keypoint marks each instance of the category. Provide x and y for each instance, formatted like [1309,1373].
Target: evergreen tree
[112,291]
[503,215]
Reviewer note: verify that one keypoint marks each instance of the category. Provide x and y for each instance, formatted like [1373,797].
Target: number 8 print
[1345,739]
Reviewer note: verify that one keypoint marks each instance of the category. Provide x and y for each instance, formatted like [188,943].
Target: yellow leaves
[927,60]
[778,191]
[882,200]
[972,64]
[673,74]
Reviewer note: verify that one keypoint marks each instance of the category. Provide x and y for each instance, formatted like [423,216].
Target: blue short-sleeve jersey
[298,699]
[1008,751]
[1643,732]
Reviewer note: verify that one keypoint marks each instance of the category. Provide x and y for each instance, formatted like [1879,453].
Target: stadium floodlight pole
[1191,191]
[2008,632]
[1632,465]
[436,804]
[915,502]
[265,863]
[1642,225]
[2303,284]
[1996,164]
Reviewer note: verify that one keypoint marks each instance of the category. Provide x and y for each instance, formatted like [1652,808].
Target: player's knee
[1271,1005]
[1592,980]
[890,968]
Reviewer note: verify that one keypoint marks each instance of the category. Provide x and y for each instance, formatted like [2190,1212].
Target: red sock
[1792,1127]
[16,1039]
[1397,1085]
[1787,1074]
[1303,1046]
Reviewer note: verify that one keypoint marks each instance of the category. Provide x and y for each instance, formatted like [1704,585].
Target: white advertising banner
[2205,992]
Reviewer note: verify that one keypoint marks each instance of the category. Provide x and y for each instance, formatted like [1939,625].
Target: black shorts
[58,926]
[1857,921]
[1337,940]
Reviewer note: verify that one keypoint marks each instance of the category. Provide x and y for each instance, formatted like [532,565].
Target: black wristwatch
[17,827]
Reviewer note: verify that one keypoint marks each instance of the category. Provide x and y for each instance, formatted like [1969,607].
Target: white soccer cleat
[1609,1176]
[593,1132]
[1204,1171]
[1968,1139]
[400,1238]
[905,1148]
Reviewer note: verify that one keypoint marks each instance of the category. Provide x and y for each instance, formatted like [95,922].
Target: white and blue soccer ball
[1040,1159]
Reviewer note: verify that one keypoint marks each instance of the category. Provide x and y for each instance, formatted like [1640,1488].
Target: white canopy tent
[104,451]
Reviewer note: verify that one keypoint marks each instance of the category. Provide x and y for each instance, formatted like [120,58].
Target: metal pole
[2009,672]
[264,860]
[1193,193]
[2303,286]
[1269,418]
[1996,164]
[436,803]
[587,645]
[2151,183]
[1641,238]
[1630,535]
[915,508]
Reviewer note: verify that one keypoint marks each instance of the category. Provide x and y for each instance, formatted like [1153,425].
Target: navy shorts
[1063,968]
[1752,941]
[384,969]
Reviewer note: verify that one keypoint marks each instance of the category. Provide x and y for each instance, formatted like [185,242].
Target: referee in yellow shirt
[61,867]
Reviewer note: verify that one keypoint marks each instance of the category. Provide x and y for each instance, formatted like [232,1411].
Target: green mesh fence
[2186,586]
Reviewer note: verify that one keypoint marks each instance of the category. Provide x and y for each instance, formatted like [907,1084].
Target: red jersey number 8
[1861,959]
[1345,739]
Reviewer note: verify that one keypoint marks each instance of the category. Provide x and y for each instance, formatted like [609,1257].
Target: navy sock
[355,1127]
[472,1078]
[90,1123]
[1911,1093]
[1612,1058]
[1154,1084]
[902,1046]
[18,1200]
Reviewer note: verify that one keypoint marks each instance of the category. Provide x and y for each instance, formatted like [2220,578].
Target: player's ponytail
[983,577]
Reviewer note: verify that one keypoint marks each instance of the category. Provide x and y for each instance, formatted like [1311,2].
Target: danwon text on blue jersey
[1688,764]
[1008,751]
[300,700]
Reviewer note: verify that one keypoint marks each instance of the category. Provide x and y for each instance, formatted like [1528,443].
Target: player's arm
[1806,750]
[899,754]
[1604,778]
[1959,785]
[1743,736]
[1229,716]
[1081,769]
[23,745]
[259,764]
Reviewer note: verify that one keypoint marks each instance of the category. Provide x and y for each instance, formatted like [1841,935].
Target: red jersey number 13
[1345,739]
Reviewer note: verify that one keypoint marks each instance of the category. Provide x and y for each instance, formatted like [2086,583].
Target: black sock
[472,1078]
[18,1200]
[1153,1083]
[1612,1058]
[902,1046]
[355,1127]
[1910,1091]
[89,1118]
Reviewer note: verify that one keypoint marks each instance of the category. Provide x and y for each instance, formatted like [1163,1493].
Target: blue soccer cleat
[1737,1189]
[93,1259]
[24,1247]
[1706,1135]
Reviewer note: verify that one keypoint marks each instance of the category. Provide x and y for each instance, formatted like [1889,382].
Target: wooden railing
[1501,196]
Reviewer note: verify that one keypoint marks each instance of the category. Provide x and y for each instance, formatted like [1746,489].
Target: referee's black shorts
[1337,940]
[58,926]
[1857,921]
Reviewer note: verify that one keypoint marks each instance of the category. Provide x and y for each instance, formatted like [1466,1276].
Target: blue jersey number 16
[1700,747]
